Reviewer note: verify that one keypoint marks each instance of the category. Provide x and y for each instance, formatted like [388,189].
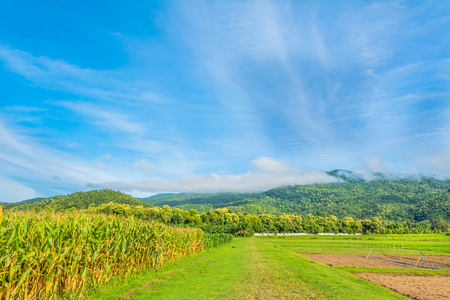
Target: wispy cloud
[13,191]
[374,164]
[62,76]
[213,85]
[269,165]
[320,77]
[143,165]
[270,174]
[266,52]
[100,115]
[21,155]
[437,162]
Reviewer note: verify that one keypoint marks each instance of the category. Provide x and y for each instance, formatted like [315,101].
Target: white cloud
[100,115]
[434,161]
[264,52]
[13,191]
[306,81]
[60,75]
[440,161]
[269,165]
[138,193]
[20,155]
[143,165]
[271,174]
[374,164]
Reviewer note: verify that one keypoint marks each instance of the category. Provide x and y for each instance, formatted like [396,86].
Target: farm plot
[415,287]
[247,268]
[397,268]
[386,261]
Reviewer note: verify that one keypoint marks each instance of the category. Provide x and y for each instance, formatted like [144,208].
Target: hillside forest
[381,206]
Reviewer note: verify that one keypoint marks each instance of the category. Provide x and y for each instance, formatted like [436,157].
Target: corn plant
[53,256]
[216,239]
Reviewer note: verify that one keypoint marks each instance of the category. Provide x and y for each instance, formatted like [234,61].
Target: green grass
[319,281]
[404,271]
[257,268]
[203,276]
[430,244]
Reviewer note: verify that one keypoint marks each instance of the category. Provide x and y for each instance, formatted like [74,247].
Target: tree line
[224,220]
[396,200]
[432,213]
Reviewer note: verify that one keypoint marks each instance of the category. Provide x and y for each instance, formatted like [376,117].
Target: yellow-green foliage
[49,256]
[214,240]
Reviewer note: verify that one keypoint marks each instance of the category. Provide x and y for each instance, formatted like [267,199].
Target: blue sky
[212,96]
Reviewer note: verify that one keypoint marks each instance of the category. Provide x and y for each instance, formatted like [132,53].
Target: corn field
[214,240]
[54,256]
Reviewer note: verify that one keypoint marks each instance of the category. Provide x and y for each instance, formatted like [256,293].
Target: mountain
[395,200]
[351,176]
[389,199]
[346,176]
[434,208]
[79,200]
[398,200]
[30,200]
[181,199]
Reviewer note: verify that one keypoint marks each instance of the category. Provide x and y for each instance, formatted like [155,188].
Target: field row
[271,268]
[50,256]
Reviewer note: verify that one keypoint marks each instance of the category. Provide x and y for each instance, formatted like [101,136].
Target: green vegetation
[65,245]
[393,200]
[427,272]
[50,255]
[224,220]
[214,240]
[435,244]
[403,201]
[247,268]
[181,199]
[80,200]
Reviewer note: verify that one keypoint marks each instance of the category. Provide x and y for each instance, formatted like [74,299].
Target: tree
[440,225]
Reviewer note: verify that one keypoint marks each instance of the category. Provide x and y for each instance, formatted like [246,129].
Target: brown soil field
[361,260]
[414,287]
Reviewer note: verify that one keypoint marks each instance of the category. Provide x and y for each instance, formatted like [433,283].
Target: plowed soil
[414,287]
[361,260]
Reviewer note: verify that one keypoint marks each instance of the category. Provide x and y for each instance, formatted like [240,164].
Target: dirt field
[414,287]
[361,260]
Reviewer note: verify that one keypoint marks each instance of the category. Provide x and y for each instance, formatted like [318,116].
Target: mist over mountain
[359,195]
[415,198]
[360,175]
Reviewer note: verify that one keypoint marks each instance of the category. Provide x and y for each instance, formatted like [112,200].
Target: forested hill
[198,199]
[80,200]
[389,199]
[399,200]
[395,200]
[434,208]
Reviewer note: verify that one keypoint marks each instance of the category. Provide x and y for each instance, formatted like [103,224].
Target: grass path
[254,269]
